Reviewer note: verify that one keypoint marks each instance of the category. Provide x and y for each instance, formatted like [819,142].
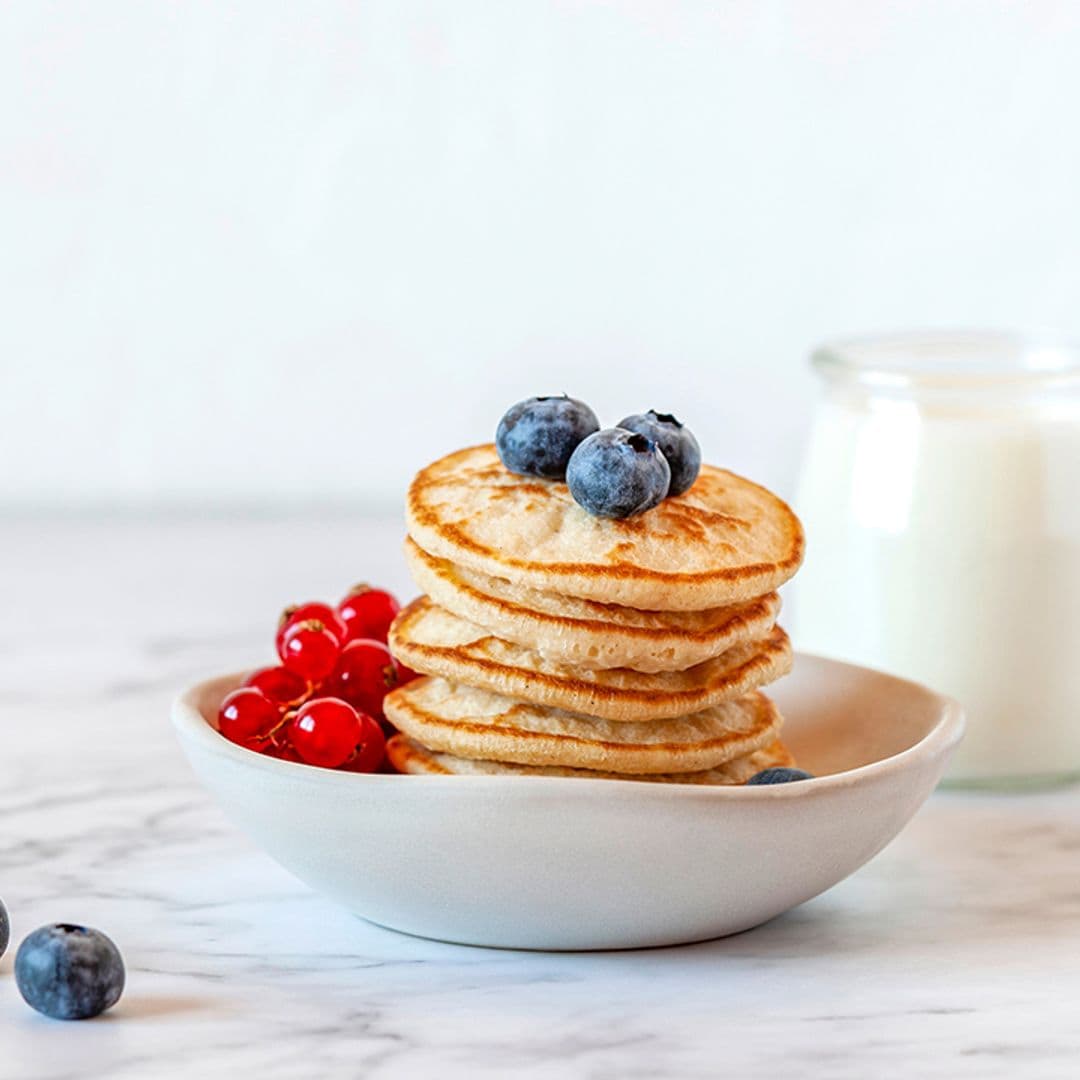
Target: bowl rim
[192,727]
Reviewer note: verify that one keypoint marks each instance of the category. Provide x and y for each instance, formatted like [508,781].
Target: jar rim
[951,359]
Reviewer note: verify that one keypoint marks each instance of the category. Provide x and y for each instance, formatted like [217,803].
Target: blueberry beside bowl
[5,929]
[69,972]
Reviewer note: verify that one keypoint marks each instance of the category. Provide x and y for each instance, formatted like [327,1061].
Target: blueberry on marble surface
[69,972]
[618,473]
[780,775]
[676,442]
[5,929]
[537,436]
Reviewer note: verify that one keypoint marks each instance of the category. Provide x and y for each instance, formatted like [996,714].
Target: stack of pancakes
[558,643]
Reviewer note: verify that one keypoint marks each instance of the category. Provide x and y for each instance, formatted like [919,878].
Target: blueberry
[617,473]
[780,775]
[537,436]
[676,443]
[69,972]
[5,929]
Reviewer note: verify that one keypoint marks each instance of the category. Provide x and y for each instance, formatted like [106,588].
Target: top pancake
[725,540]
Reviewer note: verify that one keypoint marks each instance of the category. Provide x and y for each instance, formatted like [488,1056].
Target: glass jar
[941,499]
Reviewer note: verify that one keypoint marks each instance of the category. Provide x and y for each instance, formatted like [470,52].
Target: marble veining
[950,955]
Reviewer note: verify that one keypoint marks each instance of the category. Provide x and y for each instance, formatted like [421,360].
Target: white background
[255,253]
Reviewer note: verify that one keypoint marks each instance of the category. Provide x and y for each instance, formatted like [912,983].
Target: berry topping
[780,775]
[676,443]
[313,609]
[5,929]
[371,748]
[247,716]
[283,687]
[364,675]
[618,473]
[283,750]
[367,613]
[69,972]
[310,649]
[326,731]
[536,437]
[405,674]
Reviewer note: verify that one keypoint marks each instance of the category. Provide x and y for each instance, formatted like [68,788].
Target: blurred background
[279,255]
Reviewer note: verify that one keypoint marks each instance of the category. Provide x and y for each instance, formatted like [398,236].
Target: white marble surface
[953,954]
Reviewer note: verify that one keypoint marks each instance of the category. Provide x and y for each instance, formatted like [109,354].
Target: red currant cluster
[324,704]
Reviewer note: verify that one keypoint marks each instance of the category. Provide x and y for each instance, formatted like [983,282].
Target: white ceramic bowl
[555,863]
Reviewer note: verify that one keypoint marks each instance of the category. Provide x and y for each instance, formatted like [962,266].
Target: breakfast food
[618,624]
[724,541]
[569,630]
[410,757]
[323,705]
[435,641]
[461,719]
[597,603]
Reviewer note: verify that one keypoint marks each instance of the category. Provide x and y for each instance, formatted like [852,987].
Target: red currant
[364,675]
[247,716]
[371,748]
[405,674]
[283,687]
[313,609]
[367,613]
[260,746]
[310,650]
[325,732]
[283,750]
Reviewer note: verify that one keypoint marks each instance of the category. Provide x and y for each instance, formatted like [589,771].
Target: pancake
[408,756]
[569,630]
[433,641]
[724,541]
[471,723]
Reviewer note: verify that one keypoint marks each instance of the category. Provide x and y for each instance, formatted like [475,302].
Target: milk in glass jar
[941,499]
